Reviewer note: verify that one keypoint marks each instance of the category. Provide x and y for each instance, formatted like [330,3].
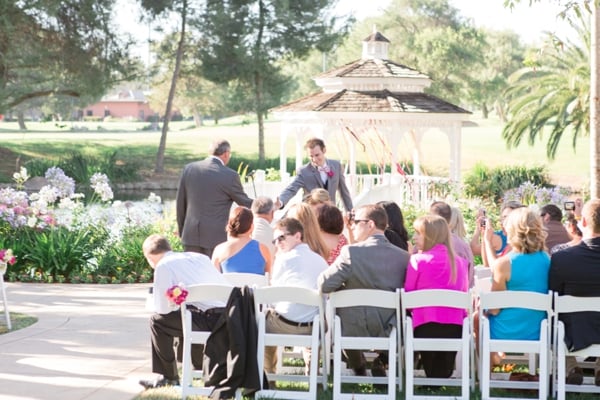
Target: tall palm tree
[553,96]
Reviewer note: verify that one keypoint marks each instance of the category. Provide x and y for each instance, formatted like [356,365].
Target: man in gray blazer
[320,172]
[206,191]
[371,263]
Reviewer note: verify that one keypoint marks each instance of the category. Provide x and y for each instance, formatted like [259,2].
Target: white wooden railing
[418,191]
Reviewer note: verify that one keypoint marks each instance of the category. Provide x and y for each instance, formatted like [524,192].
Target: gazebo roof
[371,101]
[372,68]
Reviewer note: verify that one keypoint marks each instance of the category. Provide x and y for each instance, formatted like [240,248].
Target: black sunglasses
[280,238]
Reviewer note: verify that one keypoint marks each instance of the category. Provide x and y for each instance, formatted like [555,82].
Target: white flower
[153,198]
[32,222]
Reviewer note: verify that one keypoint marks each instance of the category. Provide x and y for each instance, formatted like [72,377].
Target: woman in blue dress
[241,253]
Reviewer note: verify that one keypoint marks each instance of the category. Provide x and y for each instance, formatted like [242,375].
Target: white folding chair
[564,305]
[541,347]
[360,298]
[242,279]
[5,302]
[197,293]
[273,294]
[481,271]
[463,345]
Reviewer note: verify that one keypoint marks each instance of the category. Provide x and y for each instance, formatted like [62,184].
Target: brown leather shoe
[575,376]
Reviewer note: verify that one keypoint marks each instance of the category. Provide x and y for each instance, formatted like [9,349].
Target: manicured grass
[481,142]
[19,321]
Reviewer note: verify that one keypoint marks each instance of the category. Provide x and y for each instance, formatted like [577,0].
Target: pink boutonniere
[330,173]
[325,168]
[177,294]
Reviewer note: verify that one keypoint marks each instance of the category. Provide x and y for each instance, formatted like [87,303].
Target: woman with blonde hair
[241,253]
[312,234]
[524,268]
[436,266]
[317,197]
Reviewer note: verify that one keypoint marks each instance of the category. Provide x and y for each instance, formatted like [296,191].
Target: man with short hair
[320,172]
[295,265]
[370,263]
[461,247]
[263,210]
[170,269]
[575,271]
[206,191]
[557,233]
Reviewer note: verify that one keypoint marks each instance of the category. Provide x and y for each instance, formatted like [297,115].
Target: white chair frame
[272,294]
[391,343]
[198,293]
[562,305]
[241,279]
[541,348]
[5,302]
[463,345]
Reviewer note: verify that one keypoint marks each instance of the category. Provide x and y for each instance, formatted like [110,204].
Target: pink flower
[330,173]
[6,255]
[177,294]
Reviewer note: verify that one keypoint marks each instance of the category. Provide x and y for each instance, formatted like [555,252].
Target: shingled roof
[371,101]
[372,68]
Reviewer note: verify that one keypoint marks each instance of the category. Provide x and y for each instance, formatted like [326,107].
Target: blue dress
[504,241]
[528,272]
[249,259]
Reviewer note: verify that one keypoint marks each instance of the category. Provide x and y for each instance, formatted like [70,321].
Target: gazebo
[374,103]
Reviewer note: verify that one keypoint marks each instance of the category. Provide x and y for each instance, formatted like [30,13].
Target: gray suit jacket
[309,178]
[206,191]
[372,264]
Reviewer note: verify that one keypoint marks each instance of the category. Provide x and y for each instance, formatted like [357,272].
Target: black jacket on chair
[230,352]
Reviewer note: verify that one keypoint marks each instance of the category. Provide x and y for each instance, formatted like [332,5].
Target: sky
[528,21]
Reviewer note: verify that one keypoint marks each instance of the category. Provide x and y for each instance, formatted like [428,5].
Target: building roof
[371,101]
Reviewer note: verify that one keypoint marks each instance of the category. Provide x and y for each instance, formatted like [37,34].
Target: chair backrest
[364,297]
[435,298]
[483,285]
[241,279]
[292,294]
[481,271]
[569,304]
[204,292]
[516,299]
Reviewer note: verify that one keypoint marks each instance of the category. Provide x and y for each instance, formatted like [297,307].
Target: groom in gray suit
[371,263]
[320,172]
[206,191]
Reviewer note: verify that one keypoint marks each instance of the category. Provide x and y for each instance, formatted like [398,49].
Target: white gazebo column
[454,136]
[299,146]
[417,134]
[285,130]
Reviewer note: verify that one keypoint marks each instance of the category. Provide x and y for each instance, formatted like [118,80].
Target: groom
[320,172]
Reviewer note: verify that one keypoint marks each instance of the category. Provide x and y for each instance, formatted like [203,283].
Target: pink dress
[431,270]
[342,241]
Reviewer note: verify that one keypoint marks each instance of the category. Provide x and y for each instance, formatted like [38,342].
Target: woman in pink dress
[436,267]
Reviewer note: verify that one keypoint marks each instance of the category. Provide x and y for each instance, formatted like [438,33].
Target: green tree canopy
[59,48]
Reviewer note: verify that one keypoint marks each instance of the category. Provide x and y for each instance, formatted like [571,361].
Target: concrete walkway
[90,342]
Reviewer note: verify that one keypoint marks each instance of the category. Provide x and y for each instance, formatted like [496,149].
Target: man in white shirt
[295,265]
[170,269]
[263,210]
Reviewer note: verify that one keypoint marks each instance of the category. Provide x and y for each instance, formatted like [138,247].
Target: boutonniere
[326,169]
[177,294]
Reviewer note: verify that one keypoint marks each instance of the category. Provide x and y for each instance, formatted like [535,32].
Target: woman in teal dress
[241,253]
[524,268]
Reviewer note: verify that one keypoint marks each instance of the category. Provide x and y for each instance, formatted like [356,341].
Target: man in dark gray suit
[206,191]
[320,172]
[371,263]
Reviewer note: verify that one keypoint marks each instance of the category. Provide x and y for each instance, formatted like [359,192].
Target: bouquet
[7,256]
[177,294]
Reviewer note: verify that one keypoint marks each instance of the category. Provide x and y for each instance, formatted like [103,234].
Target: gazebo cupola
[375,46]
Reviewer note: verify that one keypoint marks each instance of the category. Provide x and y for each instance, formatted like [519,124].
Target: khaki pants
[275,325]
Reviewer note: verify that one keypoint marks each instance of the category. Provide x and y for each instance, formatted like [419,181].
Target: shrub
[491,183]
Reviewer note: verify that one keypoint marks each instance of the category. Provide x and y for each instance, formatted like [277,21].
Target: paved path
[90,342]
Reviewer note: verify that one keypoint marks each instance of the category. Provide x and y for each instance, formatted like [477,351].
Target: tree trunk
[197,117]
[594,106]
[21,120]
[258,88]
[160,155]
[484,110]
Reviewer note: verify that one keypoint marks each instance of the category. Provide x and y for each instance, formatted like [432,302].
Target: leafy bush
[491,183]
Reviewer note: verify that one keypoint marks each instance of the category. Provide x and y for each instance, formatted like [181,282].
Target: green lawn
[481,142]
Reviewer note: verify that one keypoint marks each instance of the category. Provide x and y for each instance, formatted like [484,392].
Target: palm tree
[552,96]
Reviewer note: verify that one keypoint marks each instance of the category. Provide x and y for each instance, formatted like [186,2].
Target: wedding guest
[556,232]
[170,269]
[396,232]
[331,223]
[312,235]
[317,197]
[263,209]
[241,253]
[572,226]
[436,266]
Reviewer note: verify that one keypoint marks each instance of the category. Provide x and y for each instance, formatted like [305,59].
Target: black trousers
[165,328]
[199,249]
[438,364]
